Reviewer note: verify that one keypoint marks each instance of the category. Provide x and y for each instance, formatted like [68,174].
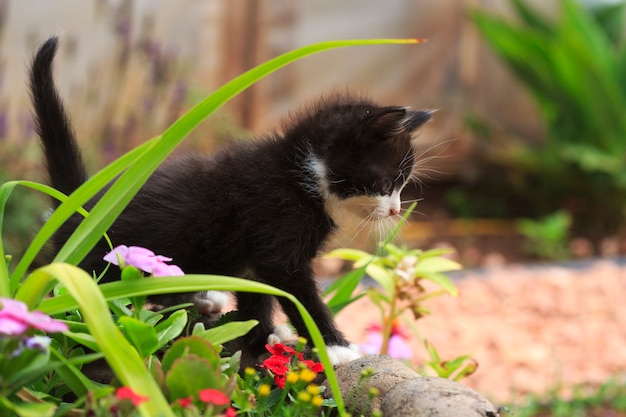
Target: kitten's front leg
[304,288]
[258,307]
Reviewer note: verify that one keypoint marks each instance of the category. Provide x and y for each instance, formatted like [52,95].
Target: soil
[531,328]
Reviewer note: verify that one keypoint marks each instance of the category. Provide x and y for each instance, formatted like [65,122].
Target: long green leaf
[73,203]
[15,279]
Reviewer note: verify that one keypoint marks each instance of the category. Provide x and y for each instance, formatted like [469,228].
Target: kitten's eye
[387,188]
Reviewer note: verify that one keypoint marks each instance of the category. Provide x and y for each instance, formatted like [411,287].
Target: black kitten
[254,209]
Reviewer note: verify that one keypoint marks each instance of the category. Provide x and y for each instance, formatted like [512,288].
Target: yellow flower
[303,396]
[264,390]
[307,375]
[313,389]
[317,401]
[250,371]
[292,377]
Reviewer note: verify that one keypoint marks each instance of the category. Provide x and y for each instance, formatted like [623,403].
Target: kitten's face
[365,151]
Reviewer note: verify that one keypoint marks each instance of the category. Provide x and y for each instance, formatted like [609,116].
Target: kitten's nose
[393,211]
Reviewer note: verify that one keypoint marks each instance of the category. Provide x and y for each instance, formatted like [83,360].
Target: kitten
[254,209]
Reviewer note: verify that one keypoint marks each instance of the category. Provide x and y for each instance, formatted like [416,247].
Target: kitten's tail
[63,160]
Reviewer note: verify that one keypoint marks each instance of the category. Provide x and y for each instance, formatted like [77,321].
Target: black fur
[254,209]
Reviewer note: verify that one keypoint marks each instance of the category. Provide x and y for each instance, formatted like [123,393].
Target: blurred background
[498,149]
[128,69]
[524,160]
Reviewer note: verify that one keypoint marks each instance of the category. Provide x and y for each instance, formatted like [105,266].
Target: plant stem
[388,321]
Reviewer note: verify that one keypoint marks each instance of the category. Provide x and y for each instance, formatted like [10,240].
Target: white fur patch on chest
[319,173]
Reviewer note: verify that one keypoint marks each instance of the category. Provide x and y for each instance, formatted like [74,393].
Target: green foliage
[401,275]
[547,238]
[574,69]
[100,317]
[609,399]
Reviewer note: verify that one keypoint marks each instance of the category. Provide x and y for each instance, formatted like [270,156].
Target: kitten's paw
[342,354]
[281,333]
[210,302]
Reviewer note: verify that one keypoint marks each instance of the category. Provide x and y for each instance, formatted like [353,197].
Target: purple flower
[15,319]
[40,343]
[143,259]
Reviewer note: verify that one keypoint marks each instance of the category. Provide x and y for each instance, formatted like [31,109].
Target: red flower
[276,364]
[126,393]
[230,412]
[213,396]
[185,402]
[279,380]
[316,367]
[281,350]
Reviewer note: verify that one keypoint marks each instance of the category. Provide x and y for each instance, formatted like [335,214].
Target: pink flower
[126,393]
[213,396]
[143,259]
[15,319]
[397,348]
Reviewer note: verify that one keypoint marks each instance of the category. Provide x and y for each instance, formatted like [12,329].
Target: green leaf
[384,277]
[227,331]
[436,264]
[191,345]
[348,254]
[171,327]
[190,374]
[84,339]
[344,287]
[441,280]
[141,335]
[40,409]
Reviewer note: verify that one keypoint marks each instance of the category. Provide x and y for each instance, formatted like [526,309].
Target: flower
[280,361]
[316,367]
[397,347]
[281,350]
[276,364]
[143,259]
[40,343]
[264,390]
[126,393]
[230,412]
[317,401]
[307,375]
[313,389]
[292,377]
[406,268]
[213,396]
[15,319]
[186,401]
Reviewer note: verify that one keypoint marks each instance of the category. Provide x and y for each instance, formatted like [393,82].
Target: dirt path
[529,328]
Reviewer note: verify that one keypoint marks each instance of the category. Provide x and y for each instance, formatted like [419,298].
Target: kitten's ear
[392,121]
[416,118]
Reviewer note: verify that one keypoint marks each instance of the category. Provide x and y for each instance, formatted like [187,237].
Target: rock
[403,392]
[432,396]
[385,374]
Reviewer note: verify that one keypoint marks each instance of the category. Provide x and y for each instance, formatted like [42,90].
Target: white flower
[406,267]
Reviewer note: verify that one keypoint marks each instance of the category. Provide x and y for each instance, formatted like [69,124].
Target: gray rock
[384,374]
[432,396]
[402,392]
